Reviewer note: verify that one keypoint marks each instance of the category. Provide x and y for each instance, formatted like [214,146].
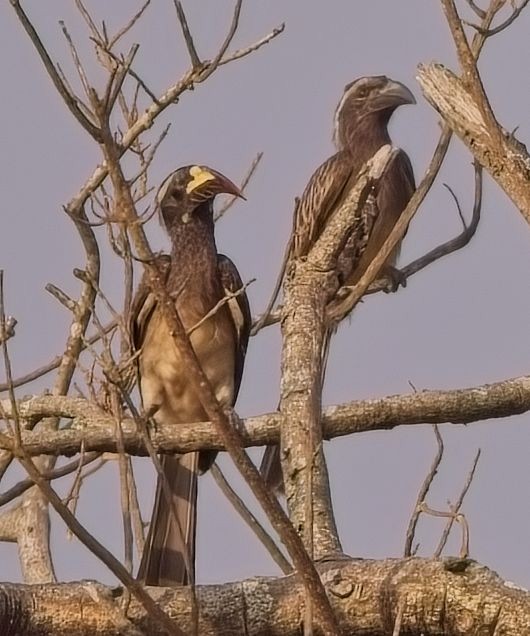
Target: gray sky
[463,321]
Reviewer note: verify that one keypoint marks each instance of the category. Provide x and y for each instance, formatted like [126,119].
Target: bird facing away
[197,278]
[360,130]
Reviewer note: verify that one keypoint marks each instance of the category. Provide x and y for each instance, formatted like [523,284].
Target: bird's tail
[168,558]
[271,469]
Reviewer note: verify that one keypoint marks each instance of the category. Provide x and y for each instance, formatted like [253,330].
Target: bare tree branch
[246,179]
[456,508]
[441,596]
[95,429]
[502,155]
[311,283]
[250,520]
[422,494]
[504,25]
[69,99]
[194,57]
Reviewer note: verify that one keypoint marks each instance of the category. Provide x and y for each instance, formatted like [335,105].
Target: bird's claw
[393,278]
[236,422]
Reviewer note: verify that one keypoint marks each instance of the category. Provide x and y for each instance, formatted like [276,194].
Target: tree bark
[428,597]
[97,430]
[501,154]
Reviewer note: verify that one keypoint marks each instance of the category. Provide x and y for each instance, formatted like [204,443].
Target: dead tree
[322,590]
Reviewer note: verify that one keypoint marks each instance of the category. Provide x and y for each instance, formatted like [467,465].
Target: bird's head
[185,191]
[371,99]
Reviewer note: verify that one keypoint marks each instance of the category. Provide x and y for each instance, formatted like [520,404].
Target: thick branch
[96,429]
[308,288]
[502,155]
[452,596]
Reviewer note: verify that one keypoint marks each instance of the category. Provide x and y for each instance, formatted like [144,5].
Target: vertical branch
[422,494]
[33,522]
[309,286]
[470,73]
[305,473]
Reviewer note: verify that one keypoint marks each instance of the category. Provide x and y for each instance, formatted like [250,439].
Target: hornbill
[360,130]
[198,279]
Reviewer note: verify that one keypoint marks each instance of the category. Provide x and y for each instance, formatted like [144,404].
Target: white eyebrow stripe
[355,85]
[162,190]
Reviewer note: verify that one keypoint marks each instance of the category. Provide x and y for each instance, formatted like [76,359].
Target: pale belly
[165,386]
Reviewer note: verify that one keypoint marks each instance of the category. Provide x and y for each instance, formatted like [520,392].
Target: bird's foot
[236,422]
[393,279]
[149,420]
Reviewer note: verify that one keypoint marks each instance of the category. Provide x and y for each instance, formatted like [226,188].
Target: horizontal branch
[96,430]
[449,596]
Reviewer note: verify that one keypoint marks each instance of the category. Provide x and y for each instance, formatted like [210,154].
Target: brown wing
[144,303]
[319,200]
[380,216]
[239,311]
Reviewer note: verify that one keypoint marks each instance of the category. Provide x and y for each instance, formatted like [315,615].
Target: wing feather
[144,303]
[319,200]
[240,312]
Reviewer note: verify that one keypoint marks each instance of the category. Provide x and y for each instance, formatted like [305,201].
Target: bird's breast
[165,381]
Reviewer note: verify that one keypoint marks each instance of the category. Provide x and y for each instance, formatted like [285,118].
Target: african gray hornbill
[360,130]
[197,279]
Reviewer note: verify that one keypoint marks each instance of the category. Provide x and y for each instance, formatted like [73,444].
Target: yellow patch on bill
[200,176]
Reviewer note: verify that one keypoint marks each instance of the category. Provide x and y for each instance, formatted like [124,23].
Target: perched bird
[360,130]
[197,279]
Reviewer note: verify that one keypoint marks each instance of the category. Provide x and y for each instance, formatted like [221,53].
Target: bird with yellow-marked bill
[197,278]
[360,130]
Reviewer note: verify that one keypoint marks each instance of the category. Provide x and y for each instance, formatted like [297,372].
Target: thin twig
[270,317]
[190,44]
[480,12]
[115,83]
[124,30]
[422,494]
[69,99]
[236,55]
[457,506]
[123,467]
[242,187]
[61,296]
[76,59]
[459,518]
[212,66]
[67,469]
[452,245]
[504,25]
[251,521]
[130,71]
[224,300]
[56,362]
[136,517]
[87,18]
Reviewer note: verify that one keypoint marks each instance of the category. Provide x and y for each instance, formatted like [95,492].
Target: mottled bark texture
[451,596]
[310,284]
[303,330]
[97,430]
[498,150]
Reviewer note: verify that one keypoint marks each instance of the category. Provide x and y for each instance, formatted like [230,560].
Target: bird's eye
[363,92]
